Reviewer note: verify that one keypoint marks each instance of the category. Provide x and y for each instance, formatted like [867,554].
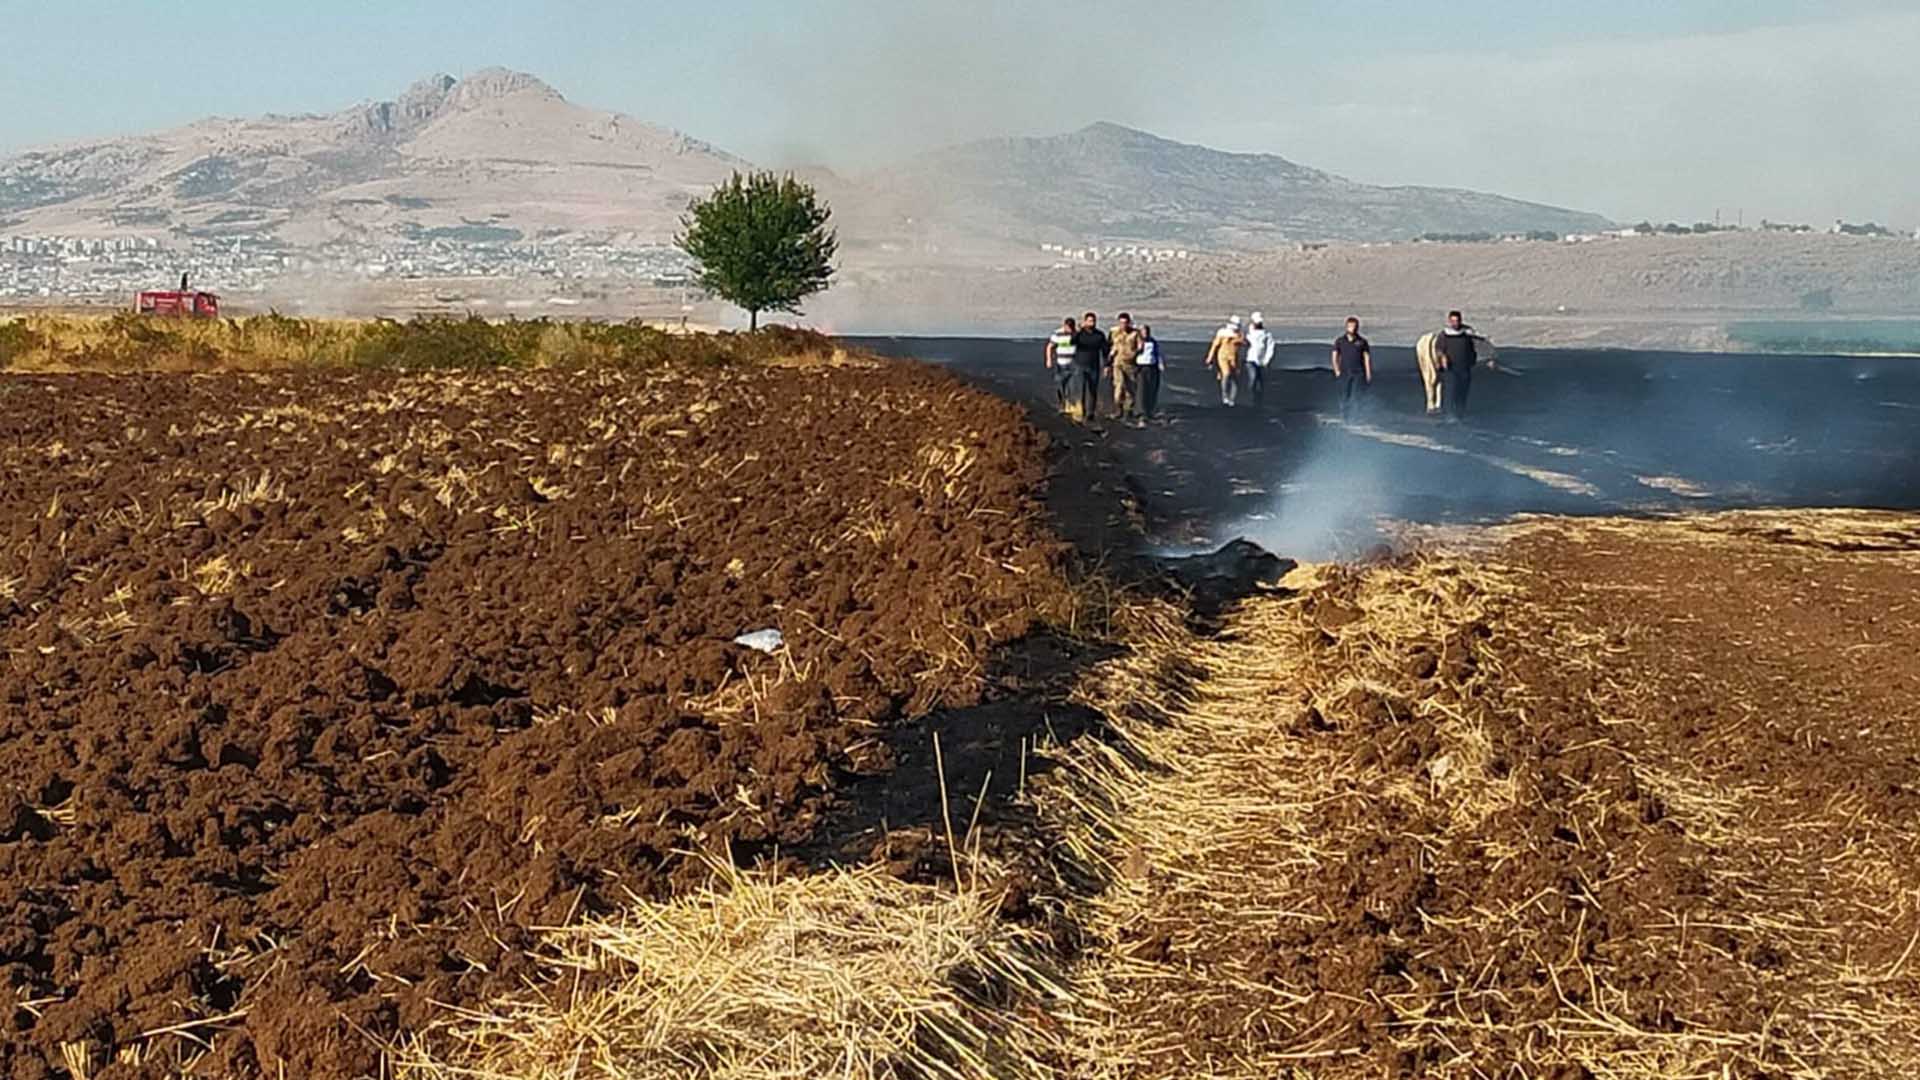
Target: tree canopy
[761,241]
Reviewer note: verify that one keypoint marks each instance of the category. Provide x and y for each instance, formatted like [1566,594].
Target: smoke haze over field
[1557,432]
[1591,434]
[1783,109]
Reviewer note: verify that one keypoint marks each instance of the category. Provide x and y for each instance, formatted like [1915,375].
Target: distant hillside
[501,157]
[1109,182]
[498,155]
[1656,291]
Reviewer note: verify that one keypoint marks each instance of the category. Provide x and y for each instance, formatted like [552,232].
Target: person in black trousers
[1152,361]
[1090,347]
[1457,357]
[1353,367]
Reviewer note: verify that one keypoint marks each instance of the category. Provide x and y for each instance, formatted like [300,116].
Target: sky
[1787,110]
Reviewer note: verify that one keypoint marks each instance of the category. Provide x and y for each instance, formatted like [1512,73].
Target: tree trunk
[753,319]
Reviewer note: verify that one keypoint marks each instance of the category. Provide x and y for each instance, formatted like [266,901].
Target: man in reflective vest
[1060,361]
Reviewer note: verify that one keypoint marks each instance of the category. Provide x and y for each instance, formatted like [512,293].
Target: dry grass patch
[856,975]
[273,342]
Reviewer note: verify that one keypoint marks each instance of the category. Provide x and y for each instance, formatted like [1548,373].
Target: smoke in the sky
[1791,123]
[1802,122]
[902,78]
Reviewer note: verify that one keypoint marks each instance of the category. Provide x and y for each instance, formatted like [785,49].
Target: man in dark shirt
[1352,366]
[1090,347]
[1457,357]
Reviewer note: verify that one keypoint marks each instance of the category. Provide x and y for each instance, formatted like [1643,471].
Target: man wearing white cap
[1260,346]
[1223,356]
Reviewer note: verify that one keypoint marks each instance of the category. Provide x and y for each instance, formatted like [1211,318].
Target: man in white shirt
[1260,345]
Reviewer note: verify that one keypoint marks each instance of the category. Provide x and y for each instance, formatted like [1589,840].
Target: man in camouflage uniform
[1124,352]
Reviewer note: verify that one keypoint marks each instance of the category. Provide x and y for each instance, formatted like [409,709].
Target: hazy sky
[1786,109]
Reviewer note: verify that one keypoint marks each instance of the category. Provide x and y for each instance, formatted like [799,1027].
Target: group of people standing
[1130,357]
[1081,355]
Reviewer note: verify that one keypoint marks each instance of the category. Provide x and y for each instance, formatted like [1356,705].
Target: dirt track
[322,689]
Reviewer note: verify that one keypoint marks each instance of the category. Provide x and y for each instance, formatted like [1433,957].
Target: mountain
[498,155]
[1112,183]
[502,157]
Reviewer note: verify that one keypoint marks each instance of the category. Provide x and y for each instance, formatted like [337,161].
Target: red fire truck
[181,303]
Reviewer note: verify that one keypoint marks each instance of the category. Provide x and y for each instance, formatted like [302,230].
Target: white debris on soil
[766,641]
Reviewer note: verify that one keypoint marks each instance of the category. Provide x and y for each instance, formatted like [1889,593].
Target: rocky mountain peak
[493,84]
[436,94]
[424,98]
[412,110]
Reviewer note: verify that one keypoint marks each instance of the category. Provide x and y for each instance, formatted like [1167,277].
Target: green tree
[761,241]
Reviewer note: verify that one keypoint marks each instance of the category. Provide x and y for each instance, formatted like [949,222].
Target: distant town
[112,269]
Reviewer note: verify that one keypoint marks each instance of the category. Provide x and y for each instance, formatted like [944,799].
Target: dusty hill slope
[502,156]
[1111,182]
[498,151]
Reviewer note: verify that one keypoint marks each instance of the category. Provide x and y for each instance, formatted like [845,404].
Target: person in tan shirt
[1223,356]
[1122,353]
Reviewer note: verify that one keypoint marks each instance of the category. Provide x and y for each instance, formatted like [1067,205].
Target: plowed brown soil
[1591,799]
[322,690]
